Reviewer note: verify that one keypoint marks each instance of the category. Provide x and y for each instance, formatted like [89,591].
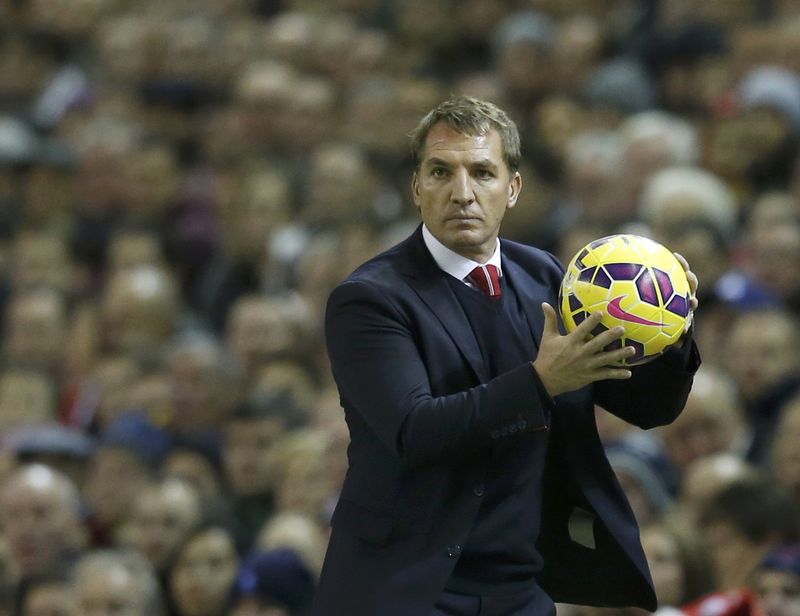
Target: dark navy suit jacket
[423,413]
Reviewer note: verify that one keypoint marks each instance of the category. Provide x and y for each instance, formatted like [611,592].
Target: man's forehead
[444,140]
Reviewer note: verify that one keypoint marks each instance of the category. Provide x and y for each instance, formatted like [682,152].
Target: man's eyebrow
[484,162]
[437,162]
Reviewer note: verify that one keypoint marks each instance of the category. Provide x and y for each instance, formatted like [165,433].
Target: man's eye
[438,172]
[484,174]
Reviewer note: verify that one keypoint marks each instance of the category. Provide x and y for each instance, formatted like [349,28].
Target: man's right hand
[567,363]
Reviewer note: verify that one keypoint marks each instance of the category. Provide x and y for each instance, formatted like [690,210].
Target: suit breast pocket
[369,525]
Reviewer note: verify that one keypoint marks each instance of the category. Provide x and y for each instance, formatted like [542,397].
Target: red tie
[487,279]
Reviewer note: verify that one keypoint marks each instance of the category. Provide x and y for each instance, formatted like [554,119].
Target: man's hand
[692,279]
[567,363]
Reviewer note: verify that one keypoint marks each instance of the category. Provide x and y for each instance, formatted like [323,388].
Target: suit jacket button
[454,551]
[478,489]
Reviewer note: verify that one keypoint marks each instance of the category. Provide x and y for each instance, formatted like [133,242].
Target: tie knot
[487,279]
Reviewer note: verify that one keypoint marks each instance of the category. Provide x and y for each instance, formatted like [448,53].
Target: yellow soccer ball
[636,283]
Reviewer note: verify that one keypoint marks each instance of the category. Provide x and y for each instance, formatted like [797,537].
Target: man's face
[204,573]
[54,599]
[162,518]
[39,525]
[778,593]
[463,188]
[249,454]
[112,593]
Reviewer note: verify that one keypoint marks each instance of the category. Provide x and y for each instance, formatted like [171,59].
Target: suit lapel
[530,296]
[430,283]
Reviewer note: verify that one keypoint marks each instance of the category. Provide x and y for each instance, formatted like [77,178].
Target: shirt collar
[452,262]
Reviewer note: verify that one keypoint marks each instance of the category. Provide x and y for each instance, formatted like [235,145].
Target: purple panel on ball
[664,283]
[585,275]
[579,259]
[622,271]
[602,279]
[638,347]
[574,303]
[613,346]
[580,317]
[599,329]
[679,305]
[647,288]
[598,243]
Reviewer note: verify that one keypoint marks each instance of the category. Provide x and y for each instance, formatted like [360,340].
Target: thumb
[550,320]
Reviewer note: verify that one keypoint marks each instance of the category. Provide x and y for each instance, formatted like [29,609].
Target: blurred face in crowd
[110,591]
[163,515]
[786,453]
[26,397]
[50,599]
[778,592]
[115,480]
[253,606]
[257,331]
[36,330]
[463,188]
[139,309]
[194,469]
[39,512]
[249,454]
[710,423]
[666,568]
[132,250]
[709,475]
[41,259]
[762,351]
[262,205]
[204,573]
[774,248]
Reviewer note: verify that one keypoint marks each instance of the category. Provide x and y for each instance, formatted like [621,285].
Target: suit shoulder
[530,256]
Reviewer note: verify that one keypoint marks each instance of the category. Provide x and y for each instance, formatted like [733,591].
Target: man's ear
[415,188]
[514,188]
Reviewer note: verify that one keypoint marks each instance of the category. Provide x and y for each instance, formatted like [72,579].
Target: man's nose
[461,188]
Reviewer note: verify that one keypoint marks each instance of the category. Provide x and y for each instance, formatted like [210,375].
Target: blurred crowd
[182,182]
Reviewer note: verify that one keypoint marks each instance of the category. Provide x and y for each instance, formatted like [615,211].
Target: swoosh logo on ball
[616,311]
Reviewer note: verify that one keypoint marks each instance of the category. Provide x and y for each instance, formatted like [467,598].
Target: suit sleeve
[381,375]
[656,392]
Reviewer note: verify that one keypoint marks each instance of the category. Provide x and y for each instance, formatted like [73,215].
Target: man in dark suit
[477,483]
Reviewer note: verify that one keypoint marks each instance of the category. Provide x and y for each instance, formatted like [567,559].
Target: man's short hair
[472,117]
[757,508]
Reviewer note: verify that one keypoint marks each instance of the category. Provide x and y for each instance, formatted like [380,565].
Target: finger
[584,330]
[550,320]
[614,373]
[615,357]
[690,275]
[601,341]
[682,260]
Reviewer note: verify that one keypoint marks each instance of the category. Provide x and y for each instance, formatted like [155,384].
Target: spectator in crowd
[763,357]
[50,596]
[712,421]
[785,460]
[117,582]
[42,521]
[129,452]
[203,572]
[742,523]
[776,582]
[274,582]
[679,561]
[250,456]
[162,516]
